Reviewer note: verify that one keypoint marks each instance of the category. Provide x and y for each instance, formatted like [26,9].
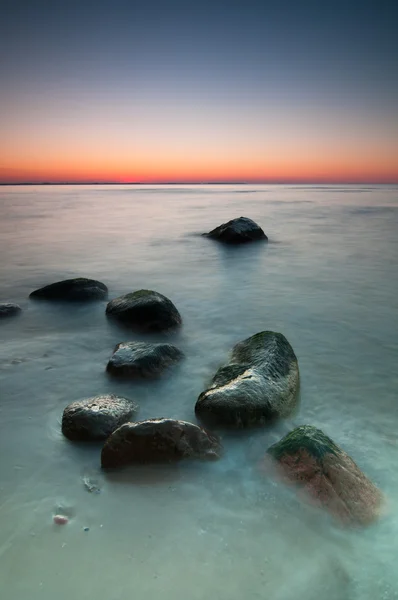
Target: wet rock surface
[326,475]
[72,290]
[142,360]
[9,309]
[145,311]
[96,418]
[158,440]
[258,385]
[237,231]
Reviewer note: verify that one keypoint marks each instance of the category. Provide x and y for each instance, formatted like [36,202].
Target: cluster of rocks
[258,385]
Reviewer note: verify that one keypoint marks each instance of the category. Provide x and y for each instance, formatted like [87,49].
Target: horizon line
[281,182]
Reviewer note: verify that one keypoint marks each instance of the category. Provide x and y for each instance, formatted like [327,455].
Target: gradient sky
[158,90]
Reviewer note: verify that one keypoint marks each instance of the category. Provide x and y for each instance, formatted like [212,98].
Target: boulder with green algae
[327,475]
[145,310]
[158,440]
[142,359]
[237,231]
[259,384]
[72,290]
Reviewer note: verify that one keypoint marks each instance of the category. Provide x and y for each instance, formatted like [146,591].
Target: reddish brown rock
[326,475]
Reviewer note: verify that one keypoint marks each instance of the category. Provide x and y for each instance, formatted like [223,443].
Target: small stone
[86,528]
[60,520]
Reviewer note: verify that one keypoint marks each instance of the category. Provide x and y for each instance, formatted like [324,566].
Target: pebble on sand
[60,520]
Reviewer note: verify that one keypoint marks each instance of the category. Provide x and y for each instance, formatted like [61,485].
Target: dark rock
[259,384]
[158,440]
[326,475]
[72,290]
[96,418]
[9,310]
[237,231]
[145,310]
[141,359]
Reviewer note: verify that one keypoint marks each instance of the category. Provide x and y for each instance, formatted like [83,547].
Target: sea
[327,279]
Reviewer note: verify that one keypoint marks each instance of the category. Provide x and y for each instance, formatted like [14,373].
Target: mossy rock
[324,473]
[258,385]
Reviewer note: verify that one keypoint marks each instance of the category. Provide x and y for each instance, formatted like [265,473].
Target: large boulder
[145,310]
[237,231]
[158,440]
[326,474]
[141,359]
[259,384]
[96,418]
[8,309]
[72,290]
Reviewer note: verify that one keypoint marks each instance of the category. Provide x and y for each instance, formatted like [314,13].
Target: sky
[199,91]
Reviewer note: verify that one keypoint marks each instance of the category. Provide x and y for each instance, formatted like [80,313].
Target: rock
[259,384]
[96,418]
[141,359]
[158,440]
[145,310]
[327,475]
[60,520]
[8,309]
[72,290]
[237,231]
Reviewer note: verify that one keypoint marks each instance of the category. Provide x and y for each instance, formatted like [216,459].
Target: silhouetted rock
[141,359]
[96,418]
[327,475]
[158,440]
[72,290]
[8,309]
[237,231]
[259,384]
[145,310]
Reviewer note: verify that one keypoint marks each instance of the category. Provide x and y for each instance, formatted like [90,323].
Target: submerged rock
[145,310]
[96,418]
[8,309]
[141,359]
[158,440]
[237,231]
[259,384]
[325,473]
[72,290]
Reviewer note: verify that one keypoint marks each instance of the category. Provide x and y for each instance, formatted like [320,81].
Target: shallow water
[326,280]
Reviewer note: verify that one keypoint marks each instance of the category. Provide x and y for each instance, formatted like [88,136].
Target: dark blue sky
[340,57]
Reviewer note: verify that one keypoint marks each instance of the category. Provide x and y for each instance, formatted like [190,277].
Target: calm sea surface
[327,280]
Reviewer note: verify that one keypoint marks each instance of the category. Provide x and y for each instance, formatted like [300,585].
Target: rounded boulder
[96,418]
[145,310]
[141,359]
[237,231]
[158,440]
[72,290]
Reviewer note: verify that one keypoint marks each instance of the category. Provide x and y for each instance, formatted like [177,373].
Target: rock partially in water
[158,440]
[237,231]
[72,290]
[145,310]
[326,475]
[8,309]
[141,359]
[259,384]
[96,418]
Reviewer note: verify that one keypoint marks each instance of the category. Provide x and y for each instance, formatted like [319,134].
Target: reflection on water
[327,280]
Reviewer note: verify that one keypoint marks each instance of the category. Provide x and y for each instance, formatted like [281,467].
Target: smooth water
[327,280]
